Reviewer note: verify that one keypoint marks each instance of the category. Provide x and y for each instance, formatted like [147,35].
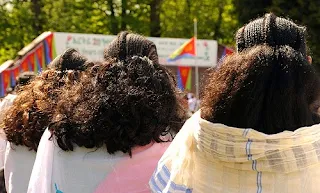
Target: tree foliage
[23,20]
[302,12]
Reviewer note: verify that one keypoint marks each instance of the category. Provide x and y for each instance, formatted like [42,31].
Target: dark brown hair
[31,112]
[129,44]
[119,105]
[270,89]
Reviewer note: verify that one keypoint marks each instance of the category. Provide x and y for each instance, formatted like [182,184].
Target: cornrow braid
[272,31]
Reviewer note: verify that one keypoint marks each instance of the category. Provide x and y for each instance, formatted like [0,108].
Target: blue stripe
[245,132]
[179,81]
[248,151]
[174,186]
[254,165]
[46,47]
[259,184]
[159,177]
[154,185]
[166,171]
[1,85]
[247,148]
[12,79]
[161,180]
[38,63]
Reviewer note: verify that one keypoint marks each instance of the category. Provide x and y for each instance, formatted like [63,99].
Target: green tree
[155,10]
[247,10]
[24,20]
[302,12]
[216,19]
[305,13]
[16,28]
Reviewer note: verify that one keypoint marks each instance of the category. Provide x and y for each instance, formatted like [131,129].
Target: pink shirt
[92,171]
[133,174]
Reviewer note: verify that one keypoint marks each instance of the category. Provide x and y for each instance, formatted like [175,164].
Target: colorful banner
[24,65]
[92,46]
[226,52]
[40,57]
[31,62]
[6,79]
[13,74]
[187,50]
[184,77]
[35,60]
[48,43]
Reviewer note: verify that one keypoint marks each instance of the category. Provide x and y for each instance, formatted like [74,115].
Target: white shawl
[214,158]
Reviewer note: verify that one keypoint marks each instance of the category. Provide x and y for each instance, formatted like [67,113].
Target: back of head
[129,103]
[71,59]
[129,44]
[268,86]
[25,77]
[32,110]
[272,31]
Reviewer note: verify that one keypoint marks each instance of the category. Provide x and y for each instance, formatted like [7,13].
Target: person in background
[184,101]
[192,103]
[112,127]
[26,119]
[23,79]
[258,127]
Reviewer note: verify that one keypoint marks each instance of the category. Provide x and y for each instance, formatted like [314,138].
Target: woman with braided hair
[26,120]
[258,127]
[130,44]
[109,131]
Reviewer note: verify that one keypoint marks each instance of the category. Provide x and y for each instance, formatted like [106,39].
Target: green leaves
[300,11]
[166,18]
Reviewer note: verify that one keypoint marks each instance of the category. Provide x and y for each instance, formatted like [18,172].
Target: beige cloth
[207,157]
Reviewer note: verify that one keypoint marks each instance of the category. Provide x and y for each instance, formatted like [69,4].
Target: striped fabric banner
[35,60]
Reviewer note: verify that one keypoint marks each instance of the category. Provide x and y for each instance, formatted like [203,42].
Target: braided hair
[272,31]
[268,85]
[129,44]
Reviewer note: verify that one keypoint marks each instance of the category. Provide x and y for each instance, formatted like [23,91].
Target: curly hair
[125,104]
[127,45]
[264,88]
[32,110]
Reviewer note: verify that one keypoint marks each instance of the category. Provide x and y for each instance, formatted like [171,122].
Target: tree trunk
[123,14]
[217,27]
[155,28]
[187,28]
[38,21]
[113,21]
